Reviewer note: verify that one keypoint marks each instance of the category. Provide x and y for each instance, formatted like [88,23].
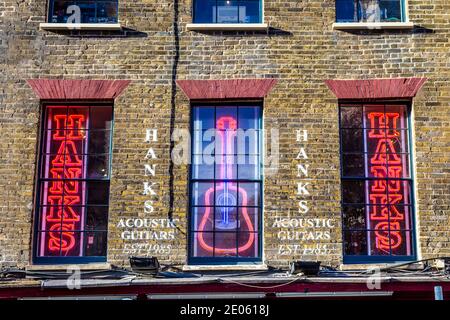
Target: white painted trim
[64,267]
[372,25]
[228,267]
[226,26]
[80,26]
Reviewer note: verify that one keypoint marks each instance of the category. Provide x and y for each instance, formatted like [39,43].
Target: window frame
[57,260]
[82,26]
[362,259]
[191,260]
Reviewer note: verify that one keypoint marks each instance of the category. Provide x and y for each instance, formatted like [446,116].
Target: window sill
[64,267]
[226,26]
[372,25]
[240,267]
[80,26]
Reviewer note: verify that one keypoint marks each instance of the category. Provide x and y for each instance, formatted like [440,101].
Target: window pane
[211,11]
[248,219]
[203,118]
[101,117]
[95,243]
[98,166]
[100,11]
[249,118]
[351,116]
[353,165]
[353,191]
[384,215]
[98,192]
[203,244]
[64,214]
[226,219]
[99,141]
[248,244]
[225,244]
[97,218]
[354,217]
[202,219]
[352,140]
[355,243]
[202,194]
[368,11]
[201,170]
[391,10]
[227,202]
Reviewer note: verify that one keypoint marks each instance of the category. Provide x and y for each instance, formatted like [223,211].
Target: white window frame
[406,24]
[77,26]
[230,26]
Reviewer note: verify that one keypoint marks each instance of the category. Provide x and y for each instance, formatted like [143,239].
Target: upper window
[75,11]
[370,11]
[377,187]
[226,184]
[73,184]
[227,11]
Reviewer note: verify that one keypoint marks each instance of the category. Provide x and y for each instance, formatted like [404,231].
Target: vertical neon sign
[63,197]
[386,191]
[226,191]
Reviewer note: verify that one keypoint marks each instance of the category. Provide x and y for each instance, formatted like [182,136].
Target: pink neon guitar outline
[227,126]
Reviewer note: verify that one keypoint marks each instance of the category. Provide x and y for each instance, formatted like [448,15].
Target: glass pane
[248,219]
[204,118]
[248,244]
[352,140]
[98,166]
[249,194]
[355,243]
[99,141]
[202,218]
[49,244]
[95,243]
[200,170]
[390,10]
[226,167]
[226,194]
[204,11]
[97,218]
[401,243]
[353,191]
[353,165]
[101,118]
[354,217]
[226,118]
[226,219]
[91,11]
[98,192]
[202,194]
[247,141]
[250,168]
[401,116]
[380,243]
[346,11]
[203,244]
[249,118]
[351,116]
[225,244]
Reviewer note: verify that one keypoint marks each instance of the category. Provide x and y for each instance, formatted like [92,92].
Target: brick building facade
[289,68]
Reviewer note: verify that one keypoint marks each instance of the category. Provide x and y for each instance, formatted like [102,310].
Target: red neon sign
[64,194]
[225,194]
[384,195]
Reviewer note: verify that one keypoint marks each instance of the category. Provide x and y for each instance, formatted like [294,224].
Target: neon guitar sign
[227,193]
[64,213]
